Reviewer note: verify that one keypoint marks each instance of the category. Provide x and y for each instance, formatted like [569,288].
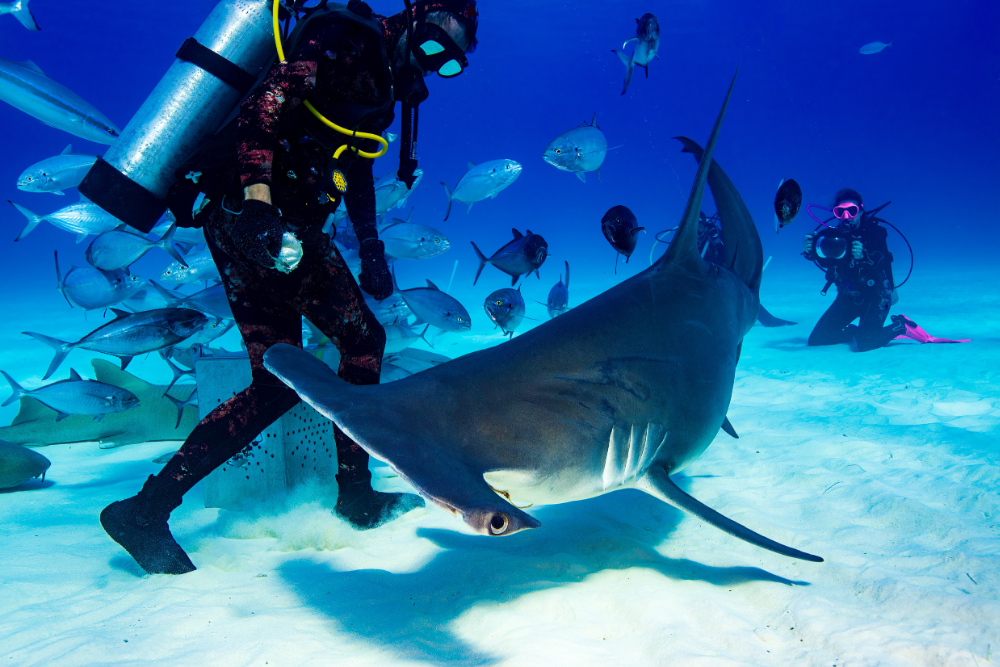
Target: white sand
[885,463]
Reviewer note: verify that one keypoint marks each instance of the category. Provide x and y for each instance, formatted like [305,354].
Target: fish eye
[558,151]
[459,318]
[498,524]
[499,302]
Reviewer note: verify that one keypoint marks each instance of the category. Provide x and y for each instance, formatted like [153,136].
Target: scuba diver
[268,177]
[860,264]
[714,250]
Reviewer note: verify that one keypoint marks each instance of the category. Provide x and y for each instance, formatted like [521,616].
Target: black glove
[375,277]
[257,232]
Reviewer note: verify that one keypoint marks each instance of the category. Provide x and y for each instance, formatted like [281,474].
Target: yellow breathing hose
[321,117]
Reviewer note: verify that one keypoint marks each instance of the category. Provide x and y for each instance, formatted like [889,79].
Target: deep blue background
[915,124]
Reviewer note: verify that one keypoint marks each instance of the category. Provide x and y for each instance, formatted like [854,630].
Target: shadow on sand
[412,614]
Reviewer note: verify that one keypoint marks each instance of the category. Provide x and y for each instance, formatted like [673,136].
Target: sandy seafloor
[885,463]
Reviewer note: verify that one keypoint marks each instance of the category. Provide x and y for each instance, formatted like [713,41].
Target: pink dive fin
[917,333]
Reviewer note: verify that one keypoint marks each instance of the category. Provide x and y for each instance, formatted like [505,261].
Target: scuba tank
[215,69]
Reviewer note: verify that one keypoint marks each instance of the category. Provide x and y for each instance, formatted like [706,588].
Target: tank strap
[121,196]
[194,52]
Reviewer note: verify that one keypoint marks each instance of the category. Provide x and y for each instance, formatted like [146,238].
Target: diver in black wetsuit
[865,286]
[270,172]
[713,250]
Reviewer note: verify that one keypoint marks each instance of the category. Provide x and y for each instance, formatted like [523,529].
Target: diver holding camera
[856,258]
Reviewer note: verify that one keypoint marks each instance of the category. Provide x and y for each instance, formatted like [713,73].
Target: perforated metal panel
[297,447]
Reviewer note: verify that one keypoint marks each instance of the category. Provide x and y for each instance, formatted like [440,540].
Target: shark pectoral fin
[728,428]
[657,483]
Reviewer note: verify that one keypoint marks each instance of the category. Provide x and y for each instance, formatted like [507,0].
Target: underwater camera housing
[831,246]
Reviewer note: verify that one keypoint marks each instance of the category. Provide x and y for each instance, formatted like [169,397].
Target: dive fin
[657,484]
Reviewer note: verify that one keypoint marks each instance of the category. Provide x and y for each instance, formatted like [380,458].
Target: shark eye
[498,524]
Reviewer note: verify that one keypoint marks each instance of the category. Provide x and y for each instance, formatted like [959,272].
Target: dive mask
[435,51]
[846,211]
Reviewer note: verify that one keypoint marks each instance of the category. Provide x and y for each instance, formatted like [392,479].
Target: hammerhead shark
[619,392]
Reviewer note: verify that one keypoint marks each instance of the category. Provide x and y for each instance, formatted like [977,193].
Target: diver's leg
[139,524]
[332,300]
[833,327]
[871,333]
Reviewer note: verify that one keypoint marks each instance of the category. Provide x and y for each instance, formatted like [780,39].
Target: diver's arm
[262,112]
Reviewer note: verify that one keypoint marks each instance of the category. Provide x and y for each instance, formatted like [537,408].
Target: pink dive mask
[846,211]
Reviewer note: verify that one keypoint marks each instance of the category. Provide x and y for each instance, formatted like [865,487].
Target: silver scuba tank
[214,70]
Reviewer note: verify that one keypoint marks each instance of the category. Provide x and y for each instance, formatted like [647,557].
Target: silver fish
[408,240]
[90,289]
[55,174]
[506,308]
[875,47]
[416,360]
[119,249]
[82,218]
[24,86]
[579,150]
[389,310]
[76,396]
[523,255]
[19,464]
[187,235]
[19,10]
[391,192]
[647,43]
[558,301]
[215,328]
[129,334]
[200,266]
[482,181]
[436,308]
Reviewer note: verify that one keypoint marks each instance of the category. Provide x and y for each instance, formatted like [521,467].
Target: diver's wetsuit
[344,71]
[714,250]
[864,290]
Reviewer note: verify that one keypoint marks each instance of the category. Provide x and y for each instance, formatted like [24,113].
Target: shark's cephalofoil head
[495,519]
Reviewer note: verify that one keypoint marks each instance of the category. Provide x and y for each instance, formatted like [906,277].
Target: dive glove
[375,277]
[257,232]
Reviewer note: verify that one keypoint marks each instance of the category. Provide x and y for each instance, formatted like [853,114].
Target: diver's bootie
[365,508]
[139,525]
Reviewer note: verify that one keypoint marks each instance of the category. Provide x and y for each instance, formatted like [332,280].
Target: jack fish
[579,150]
[647,43]
[482,181]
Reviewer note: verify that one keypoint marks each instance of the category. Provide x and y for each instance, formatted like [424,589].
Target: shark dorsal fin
[74,376]
[517,234]
[683,251]
[431,285]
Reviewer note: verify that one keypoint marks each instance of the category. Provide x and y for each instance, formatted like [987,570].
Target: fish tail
[173,301]
[167,243]
[14,387]
[450,197]
[179,404]
[482,262]
[178,374]
[33,220]
[59,283]
[423,333]
[61,347]
[567,275]
[627,61]
[23,14]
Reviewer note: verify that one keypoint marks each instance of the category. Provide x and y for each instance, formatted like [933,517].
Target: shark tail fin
[61,347]
[744,254]
[482,262]
[627,61]
[447,191]
[18,390]
[23,14]
[33,220]
[657,484]
[683,250]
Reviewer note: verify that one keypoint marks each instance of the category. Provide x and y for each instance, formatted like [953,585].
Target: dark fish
[558,301]
[506,308]
[647,43]
[130,334]
[434,307]
[621,230]
[787,201]
[76,396]
[526,253]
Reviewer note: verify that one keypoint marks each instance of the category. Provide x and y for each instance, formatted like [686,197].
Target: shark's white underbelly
[629,452]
